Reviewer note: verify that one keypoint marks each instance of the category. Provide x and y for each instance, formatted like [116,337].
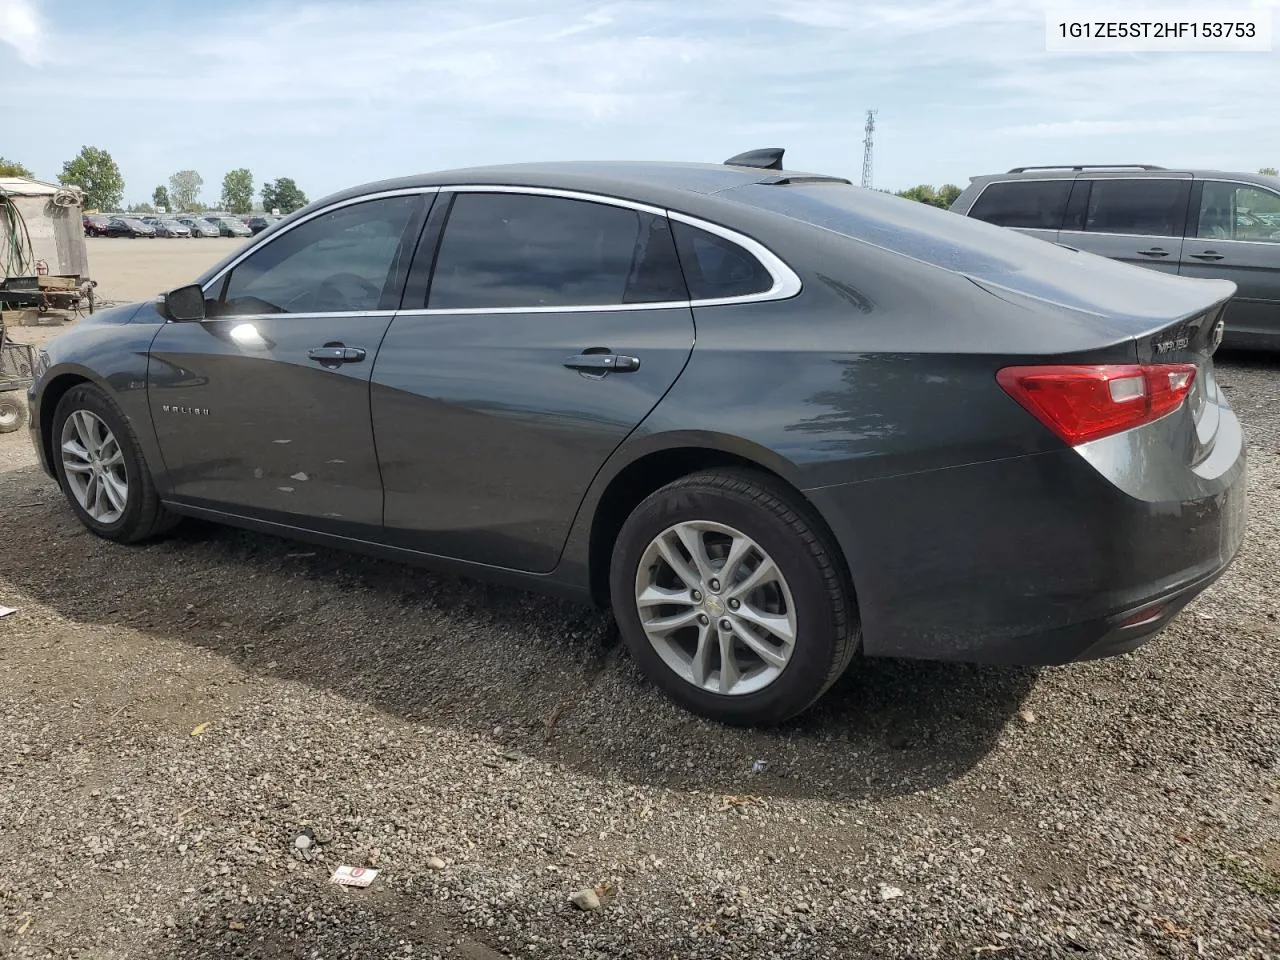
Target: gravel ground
[174,714]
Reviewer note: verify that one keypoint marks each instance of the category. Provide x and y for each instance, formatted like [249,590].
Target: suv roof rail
[1090,166]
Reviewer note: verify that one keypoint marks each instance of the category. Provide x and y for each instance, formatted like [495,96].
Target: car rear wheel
[730,599]
[101,469]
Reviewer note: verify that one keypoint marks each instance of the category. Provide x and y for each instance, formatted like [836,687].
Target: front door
[1236,237]
[263,408]
[551,329]
[1138,220]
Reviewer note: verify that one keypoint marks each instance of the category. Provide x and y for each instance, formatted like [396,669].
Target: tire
[13,412]
[817,595]
[143,516]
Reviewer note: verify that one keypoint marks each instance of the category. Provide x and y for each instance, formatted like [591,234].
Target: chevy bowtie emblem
[193,411]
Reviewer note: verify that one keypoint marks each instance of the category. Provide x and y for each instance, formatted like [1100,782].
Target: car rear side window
[337,262]
[715,267]
[1149,207]
[523,251]
[1033,204]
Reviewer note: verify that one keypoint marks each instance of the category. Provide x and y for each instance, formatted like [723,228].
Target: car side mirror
[185,304]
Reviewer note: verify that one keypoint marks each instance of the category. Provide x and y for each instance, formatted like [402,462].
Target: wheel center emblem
[714,606]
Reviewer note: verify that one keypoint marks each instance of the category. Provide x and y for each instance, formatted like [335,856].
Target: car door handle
[1208,255]
[602,363]
[333,355]
[1154,252]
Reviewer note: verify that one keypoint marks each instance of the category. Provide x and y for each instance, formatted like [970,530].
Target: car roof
[654,182]
[1124,171]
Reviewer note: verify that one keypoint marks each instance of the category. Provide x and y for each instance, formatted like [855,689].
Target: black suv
[1196,223]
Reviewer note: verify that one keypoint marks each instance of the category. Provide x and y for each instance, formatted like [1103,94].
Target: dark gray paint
[488,442]
[968,529]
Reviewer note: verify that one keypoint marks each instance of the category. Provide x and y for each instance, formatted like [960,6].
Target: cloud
[22,29]
[334,91]
[1070,129]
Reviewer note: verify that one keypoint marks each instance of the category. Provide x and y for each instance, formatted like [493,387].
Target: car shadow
[542,678]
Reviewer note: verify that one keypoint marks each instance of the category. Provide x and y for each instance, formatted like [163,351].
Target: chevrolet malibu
[774,421]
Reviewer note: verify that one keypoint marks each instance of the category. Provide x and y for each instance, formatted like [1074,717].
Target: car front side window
[338,262]
[1234,211]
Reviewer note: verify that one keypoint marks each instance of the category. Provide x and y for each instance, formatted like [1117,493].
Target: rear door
[1137,220]
[262,409]
[1234,234]
[1033,207]
[553,324]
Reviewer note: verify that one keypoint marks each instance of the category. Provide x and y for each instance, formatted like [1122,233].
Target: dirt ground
[173,715]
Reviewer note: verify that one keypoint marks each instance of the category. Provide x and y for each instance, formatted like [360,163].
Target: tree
[160,197]
[282,194]
[941,197]
[184,188]
[12,168]
[140,208]
[947,194]
[94,172]
[237,191]
[1265,171]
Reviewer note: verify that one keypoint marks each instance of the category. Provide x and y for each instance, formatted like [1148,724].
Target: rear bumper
[1118,633]
[1036,560]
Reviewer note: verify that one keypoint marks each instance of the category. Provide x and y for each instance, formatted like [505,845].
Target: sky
[339,92]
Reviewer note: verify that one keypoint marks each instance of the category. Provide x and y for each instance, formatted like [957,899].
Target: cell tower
[867,145]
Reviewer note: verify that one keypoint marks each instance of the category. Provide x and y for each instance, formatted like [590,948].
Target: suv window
[1150,207]
[516,250]
[1233,211]
[1038,204]
[715,267]
[336,262]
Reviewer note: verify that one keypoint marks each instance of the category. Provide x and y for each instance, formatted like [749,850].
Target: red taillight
[1083,403]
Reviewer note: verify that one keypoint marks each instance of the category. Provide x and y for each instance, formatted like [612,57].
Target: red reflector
[1083,403]
[1142,617]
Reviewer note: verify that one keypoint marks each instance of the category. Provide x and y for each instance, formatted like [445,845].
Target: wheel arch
[51,393]
[652,466]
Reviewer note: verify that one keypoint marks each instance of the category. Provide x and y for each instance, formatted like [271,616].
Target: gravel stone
[585,900]
[1137,818]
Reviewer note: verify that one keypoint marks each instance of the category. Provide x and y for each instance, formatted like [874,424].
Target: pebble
[585,900]
[435,863]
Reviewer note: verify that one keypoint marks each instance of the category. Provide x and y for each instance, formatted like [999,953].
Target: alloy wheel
[716,608]
[93,463]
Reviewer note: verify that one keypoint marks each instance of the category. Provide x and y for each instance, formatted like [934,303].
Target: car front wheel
[101,469]
[731,599]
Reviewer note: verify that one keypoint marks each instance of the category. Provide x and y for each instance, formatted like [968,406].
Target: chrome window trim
[556,192]
[786,282]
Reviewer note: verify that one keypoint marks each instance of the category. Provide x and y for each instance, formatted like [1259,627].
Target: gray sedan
[774,421]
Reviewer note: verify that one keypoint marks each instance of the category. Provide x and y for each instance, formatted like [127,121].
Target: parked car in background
[129,227]
[257,224]
[230,227]
[95,224]
[897,431]
[1194,223]
[200,227]
[171,228]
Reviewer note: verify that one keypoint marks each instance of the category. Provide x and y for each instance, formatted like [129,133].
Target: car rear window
[716,268]
[1034,204]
